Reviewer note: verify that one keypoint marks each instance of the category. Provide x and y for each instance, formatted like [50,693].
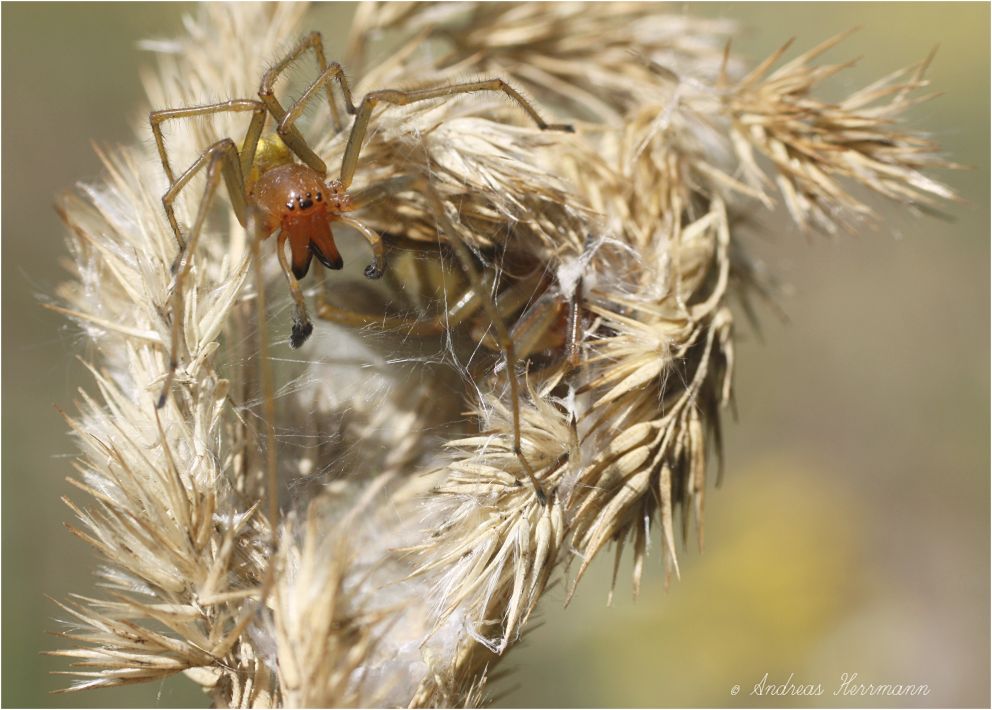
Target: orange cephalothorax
[294,199]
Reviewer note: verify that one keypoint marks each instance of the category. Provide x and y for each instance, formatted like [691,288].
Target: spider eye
[290,206]
[319,197]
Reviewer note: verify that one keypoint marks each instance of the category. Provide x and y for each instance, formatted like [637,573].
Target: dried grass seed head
[404,576]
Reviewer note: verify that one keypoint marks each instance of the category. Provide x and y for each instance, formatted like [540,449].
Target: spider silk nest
[409,555]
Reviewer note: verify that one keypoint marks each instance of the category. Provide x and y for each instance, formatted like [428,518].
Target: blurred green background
[852,531]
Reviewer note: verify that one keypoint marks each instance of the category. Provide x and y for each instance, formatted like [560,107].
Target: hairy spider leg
[378,265]
[286,128]
[290,135]
[220,159]
[245,158]
[396,97]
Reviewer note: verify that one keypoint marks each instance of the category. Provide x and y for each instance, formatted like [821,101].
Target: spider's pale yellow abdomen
[270,153]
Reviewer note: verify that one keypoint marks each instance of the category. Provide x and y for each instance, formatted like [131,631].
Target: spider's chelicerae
[272,193]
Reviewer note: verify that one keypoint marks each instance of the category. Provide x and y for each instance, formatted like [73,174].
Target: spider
[272,193]
[543,321]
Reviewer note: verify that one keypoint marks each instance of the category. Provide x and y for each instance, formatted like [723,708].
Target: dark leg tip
[374,271]
[539,493]
[301,332]
[161,400]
